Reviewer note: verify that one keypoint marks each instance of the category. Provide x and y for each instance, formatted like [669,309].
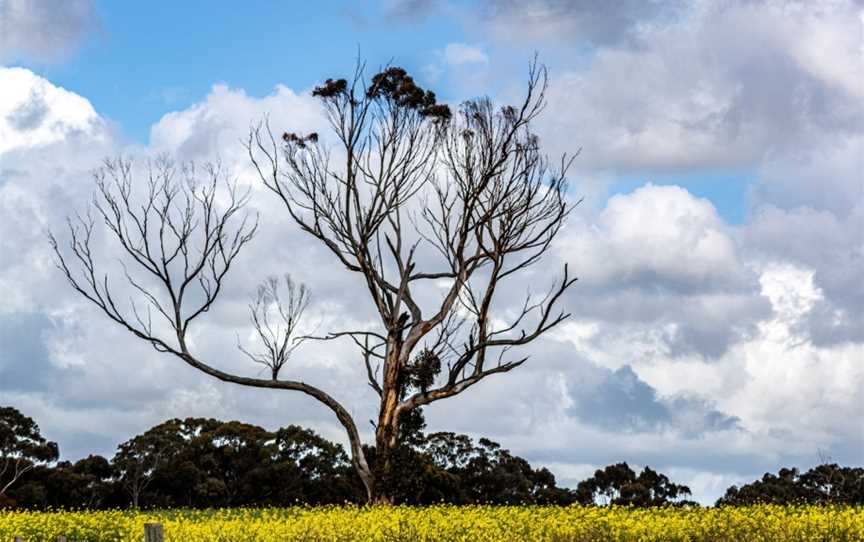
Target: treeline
[823,484]
[201,463]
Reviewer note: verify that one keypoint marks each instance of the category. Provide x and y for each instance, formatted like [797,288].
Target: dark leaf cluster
[395,85]
[291,138]
[332,88]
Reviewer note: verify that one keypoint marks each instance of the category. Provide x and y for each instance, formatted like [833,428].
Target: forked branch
[177,241]
[276,316]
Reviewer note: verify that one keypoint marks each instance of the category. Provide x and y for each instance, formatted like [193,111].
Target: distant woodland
[202,463]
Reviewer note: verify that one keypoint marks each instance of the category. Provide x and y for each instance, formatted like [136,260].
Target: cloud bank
[42,30]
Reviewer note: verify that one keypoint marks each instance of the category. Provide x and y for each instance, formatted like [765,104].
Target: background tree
[22,447]
[618,484]
[828,483]
[447,467]
[87,483]
[207,463]
[420,197]
[493,475]
[308,468]
[138,459]
[203,463]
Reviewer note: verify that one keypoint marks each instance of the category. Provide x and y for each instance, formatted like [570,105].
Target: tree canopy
[828,483]
[22,447]
[618,484]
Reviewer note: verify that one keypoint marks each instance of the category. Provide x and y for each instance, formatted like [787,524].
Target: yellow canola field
[448,524]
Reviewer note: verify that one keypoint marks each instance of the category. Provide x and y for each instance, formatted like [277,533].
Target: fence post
[61,538]
[19,539]
[154,532]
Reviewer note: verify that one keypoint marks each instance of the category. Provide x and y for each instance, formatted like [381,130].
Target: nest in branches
[421,373]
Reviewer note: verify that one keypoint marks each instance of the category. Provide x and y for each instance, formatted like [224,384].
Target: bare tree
[472,188]
[435,212]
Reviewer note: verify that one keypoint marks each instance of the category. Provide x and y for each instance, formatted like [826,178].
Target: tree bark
[386,430]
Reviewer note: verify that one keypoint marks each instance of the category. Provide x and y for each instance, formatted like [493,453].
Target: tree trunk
[382,484]
[386,432]
[385,442]
[384,498]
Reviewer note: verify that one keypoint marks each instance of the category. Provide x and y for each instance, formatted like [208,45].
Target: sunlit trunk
[386,432]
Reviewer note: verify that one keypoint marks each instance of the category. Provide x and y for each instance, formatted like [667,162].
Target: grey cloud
[44,30]
[616,416]
[830,245]
[80,445]
[559,384]
[29,115]
[703,323]
[724,85]
[24,358]
[826,325]
[661,259]
[711,333]
[810,207]
[596,21]
[409,9]
[839,317]
[620,401]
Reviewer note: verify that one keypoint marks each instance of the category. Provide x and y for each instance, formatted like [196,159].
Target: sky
[717,327]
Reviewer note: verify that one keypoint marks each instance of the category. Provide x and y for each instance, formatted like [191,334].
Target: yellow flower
[446,523]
